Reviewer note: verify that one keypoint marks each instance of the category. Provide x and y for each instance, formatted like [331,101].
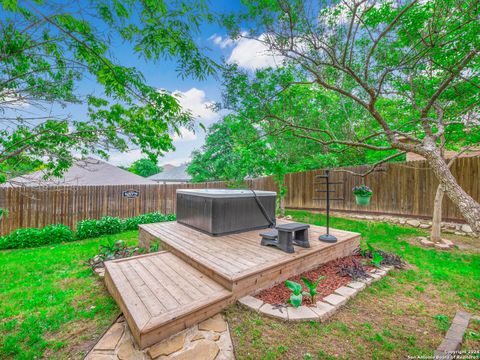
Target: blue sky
[195,95]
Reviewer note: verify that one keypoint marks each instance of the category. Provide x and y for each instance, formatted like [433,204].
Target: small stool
[300,233]
[281,240]
[285,236]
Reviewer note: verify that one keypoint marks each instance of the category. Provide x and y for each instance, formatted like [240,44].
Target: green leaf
[295,300]
[294,286]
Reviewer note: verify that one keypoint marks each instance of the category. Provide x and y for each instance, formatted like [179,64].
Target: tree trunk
[468,207]
[437,215]
[282,206]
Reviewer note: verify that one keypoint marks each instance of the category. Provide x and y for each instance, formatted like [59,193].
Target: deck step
[160,294]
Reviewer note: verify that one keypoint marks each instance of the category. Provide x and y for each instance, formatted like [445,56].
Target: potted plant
[3,213]
[362,194]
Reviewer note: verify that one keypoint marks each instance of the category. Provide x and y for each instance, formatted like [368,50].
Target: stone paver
[346,291]
[335,299]
[197,337]
[278,312]
[201,350]
[215,323]
[454,337]
[358,285]
[191,343]
[251,302]
[111,338]
[168,346]
[127,351]
[323,310]
[448,242]
[413,222]
[441,246]
[427,243]
[301,313]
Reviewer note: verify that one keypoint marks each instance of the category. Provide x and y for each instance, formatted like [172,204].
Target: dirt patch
[279,294]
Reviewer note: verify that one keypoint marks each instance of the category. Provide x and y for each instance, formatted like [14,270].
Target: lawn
[407,313]
[53,306]
[51,303]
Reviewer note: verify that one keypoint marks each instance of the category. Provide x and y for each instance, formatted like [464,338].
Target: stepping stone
[215,323]
[168,346]
[277,312]
[448,242]
[251,302]
[96,356]
[441,246]
[301,313]
[202,350]
[197,337]
[111,338]
[127,351]
[346,291]
[323,310]
[335,300]
[358,285]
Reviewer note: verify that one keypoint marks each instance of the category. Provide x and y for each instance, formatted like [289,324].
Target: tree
[144,167]
[49,55]
[236,149]
[409,67]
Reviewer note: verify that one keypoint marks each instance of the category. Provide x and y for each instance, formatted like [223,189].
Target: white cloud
[253,54]
[195,101]
[125,158]
[220,41]
[185,135]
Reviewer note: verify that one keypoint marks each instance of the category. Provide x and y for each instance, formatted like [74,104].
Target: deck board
[197,275]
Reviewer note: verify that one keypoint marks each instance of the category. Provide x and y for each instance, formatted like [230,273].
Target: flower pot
[363,199]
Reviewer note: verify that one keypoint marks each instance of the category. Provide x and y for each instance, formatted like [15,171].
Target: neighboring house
[83,172]
[172,175]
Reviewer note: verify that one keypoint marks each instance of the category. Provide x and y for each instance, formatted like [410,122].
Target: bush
[133,222]
[90,228]
[54,234]
[22,238]
[30,237]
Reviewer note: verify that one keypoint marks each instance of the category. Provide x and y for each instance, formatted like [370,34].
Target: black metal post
[327,237]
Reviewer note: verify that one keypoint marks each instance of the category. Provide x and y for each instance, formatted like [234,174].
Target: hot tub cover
[225,193]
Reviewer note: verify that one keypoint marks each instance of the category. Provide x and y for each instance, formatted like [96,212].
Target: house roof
[177,173]
[83,172]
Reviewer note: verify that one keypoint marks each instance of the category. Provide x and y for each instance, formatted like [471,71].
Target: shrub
[88,229]
[21,238]
[53,234]
[133,222]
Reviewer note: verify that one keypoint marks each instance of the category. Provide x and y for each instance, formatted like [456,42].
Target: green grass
[407,313]
[53,306]
[51,303]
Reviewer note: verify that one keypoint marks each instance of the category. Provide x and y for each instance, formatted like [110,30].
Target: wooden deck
[198,275]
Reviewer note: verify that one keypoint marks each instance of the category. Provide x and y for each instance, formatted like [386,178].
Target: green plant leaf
[295,300]
[294,286]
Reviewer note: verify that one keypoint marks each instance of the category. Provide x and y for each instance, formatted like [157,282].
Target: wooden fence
[406,189]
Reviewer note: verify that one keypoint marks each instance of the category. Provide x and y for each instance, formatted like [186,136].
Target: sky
[195,95]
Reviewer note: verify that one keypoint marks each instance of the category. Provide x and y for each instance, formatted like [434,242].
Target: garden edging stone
[323,309]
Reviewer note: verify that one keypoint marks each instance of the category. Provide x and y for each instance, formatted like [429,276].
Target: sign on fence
[131,194]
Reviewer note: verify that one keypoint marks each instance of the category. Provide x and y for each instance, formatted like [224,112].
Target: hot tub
[223,211]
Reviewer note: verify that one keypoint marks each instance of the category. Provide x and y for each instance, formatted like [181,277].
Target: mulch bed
[279,294]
